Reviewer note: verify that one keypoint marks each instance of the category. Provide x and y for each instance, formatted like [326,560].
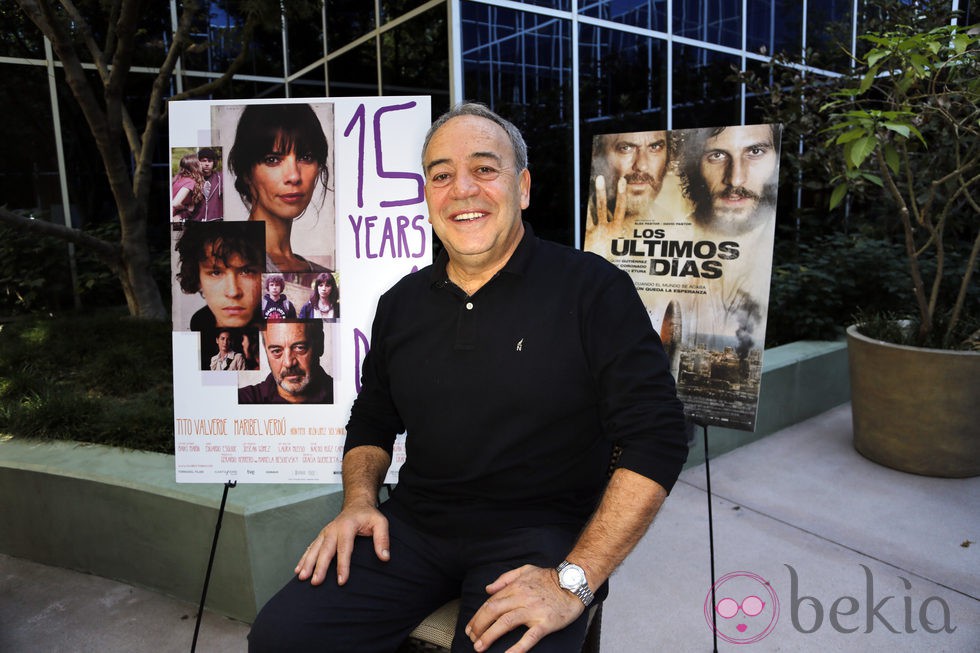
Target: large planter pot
[914,409]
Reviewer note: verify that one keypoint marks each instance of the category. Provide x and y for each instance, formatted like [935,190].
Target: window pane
[829,27]
[622,74]
[391,9]
[415,58]
[520,65]
[19,37]
[718,21]
[705,95]
[305,34]
[347,20]
[355,73]
[309,85]
[648,14]
[774,26]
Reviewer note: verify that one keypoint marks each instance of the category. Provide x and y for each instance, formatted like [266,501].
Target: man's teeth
[463,217]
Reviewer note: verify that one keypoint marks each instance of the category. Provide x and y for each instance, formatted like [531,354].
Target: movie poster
[289,218]
[690,215]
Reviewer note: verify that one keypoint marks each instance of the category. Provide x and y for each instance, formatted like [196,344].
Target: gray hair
[482,111]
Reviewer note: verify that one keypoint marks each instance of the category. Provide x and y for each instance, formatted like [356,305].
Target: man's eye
[624,148]
[486,172]
[658,147]
[248,272]
[215,272]
[756,152]
[440,179]
[275,352]
[300,349]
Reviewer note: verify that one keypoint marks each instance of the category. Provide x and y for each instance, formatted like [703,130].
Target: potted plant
[908,124]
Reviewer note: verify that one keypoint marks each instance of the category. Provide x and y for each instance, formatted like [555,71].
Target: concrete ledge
[120,514]
[799,380]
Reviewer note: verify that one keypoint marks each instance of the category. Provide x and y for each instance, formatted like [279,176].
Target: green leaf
[837,195]
[898,128]
[857,151]
[852,135]
[874,179]
[891,158]
[960,43]
[876,55]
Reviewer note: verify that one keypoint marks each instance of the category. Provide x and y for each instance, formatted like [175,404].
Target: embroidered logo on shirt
[520,344]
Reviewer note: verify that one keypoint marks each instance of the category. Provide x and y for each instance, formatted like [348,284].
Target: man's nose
[641,160]
[737,170]
[464,185]
[233,288]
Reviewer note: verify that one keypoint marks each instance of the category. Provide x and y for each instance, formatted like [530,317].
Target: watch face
[572,576]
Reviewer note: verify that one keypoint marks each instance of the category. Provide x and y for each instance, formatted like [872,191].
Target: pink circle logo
[745,608]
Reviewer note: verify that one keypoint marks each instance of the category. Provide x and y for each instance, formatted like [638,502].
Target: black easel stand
[207,574]
[711,542]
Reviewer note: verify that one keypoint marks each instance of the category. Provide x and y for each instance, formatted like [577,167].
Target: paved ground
[841,551]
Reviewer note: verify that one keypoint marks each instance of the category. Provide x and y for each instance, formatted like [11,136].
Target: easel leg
[711,543]
[207,574]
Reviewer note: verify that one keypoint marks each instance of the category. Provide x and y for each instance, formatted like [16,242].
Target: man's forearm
[628,507]
[364,469]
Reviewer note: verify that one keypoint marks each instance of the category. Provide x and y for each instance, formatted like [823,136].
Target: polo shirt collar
[516,265]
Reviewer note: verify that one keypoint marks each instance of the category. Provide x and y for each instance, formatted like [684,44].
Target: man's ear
[524,183]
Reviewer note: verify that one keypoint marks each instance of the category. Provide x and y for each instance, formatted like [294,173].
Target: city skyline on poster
[690,216]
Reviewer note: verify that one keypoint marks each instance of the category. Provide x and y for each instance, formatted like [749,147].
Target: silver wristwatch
[572,578]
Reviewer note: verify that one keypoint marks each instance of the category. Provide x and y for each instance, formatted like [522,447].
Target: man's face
[207,166]
[224,342]
[640,157]
[739,170]
[292,359]
[275,290]
[232,291]
[474,191]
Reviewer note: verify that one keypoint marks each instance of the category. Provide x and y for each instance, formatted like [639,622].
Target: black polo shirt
[513,398]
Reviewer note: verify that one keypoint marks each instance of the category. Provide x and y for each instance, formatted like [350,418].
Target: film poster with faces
[690,215]
[289,219]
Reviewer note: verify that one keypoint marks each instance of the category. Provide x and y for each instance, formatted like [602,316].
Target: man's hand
[602,227]
[528,596]
[337,538]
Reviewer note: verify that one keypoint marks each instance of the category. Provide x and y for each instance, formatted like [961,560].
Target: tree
[126,149]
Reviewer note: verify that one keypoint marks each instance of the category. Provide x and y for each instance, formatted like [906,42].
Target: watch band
[580,590]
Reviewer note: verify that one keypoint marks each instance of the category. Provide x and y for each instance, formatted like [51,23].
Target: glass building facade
[562,70]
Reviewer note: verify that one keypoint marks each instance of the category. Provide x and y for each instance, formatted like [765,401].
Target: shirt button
[469,306]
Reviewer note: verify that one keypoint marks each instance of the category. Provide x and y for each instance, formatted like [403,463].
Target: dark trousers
[383,601]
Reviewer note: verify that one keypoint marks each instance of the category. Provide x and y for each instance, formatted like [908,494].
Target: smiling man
[293,350]
[514,365]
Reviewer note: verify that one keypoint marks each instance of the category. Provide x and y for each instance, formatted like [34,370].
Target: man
[630,170]
[730,174]
[514,365]
[227,359]
[223,262]
[210,209]
[293,350]
[275,305]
